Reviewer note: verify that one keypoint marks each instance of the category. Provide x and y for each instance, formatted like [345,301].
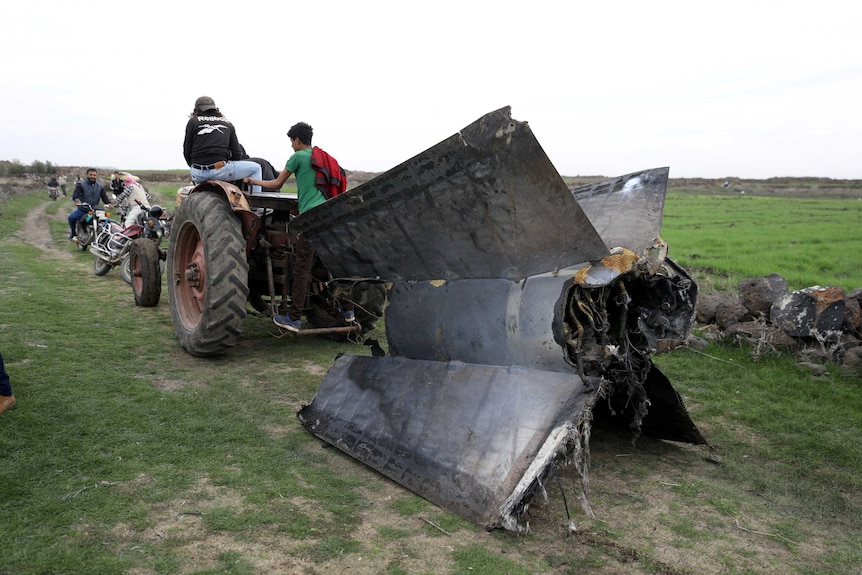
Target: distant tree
[17,169]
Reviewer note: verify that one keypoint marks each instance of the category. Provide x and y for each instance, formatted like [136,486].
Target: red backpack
[330,178]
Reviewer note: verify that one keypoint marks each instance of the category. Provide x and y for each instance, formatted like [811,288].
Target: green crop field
[807,241]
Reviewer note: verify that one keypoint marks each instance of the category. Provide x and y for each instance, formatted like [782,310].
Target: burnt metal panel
[667,417]
[485,321]
[463,436]
[484,203]
[627,210]
[508,318]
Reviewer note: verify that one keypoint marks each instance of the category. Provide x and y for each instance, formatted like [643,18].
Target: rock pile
[14,186]
[819,324]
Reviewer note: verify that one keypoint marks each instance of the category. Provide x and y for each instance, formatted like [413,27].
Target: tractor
[230,250]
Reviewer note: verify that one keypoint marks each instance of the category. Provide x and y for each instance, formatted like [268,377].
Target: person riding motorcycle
[88,191]
[133,199]
[53,188]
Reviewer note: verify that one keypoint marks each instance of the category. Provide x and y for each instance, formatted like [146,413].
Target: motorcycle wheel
[126,268]
[207,274]
[85,236]
[101,267]
[146,276]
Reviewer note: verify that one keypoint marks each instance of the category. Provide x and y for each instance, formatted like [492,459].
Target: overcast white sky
[734,88]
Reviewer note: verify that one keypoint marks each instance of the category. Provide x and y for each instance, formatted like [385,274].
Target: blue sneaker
[285,322]
[348,315]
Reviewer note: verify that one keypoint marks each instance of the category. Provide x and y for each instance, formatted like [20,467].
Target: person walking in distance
[211,148]
[309,197]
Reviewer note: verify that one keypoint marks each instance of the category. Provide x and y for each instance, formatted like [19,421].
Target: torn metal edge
[568,443]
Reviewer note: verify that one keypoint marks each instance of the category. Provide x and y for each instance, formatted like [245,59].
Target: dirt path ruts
[37,232]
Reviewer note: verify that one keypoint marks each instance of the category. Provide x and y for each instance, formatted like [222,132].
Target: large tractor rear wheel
[207,274]
[145,272]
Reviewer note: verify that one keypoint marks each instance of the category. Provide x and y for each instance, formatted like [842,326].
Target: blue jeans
[74,217]
[230,172]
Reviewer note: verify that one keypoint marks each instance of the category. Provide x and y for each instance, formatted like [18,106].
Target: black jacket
[90,193]
[210,139]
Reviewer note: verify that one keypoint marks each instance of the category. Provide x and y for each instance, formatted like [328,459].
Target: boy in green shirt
[309,197]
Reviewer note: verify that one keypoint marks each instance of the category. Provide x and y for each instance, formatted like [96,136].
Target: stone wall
[819,324]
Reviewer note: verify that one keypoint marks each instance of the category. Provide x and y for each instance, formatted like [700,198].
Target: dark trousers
[74,217]
[303,262]
[301,277]
[5,386]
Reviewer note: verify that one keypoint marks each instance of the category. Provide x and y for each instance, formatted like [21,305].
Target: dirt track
[37,232]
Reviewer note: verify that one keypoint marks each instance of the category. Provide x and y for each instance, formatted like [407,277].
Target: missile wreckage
[517,307]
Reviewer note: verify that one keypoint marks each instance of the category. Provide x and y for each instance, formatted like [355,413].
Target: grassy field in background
[731,237]
[126,455]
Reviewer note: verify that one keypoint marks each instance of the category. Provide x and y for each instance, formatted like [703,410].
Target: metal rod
[271,283]
[320,330]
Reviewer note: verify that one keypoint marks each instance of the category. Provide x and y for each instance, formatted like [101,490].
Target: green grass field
[127,455]
[732,237]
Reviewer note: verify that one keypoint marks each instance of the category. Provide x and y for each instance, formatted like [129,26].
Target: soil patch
[37,232]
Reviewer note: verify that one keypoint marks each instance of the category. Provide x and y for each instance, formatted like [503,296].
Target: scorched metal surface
[513,310]
[484,203]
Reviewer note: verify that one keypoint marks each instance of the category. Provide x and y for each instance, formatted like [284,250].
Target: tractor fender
[238,202]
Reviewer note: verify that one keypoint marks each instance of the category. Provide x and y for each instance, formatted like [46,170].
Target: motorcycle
[155,223]
[85,228]
[53,193]
[113,242]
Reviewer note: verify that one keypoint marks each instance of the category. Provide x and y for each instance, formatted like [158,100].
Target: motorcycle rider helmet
[156,211]
[203,104]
